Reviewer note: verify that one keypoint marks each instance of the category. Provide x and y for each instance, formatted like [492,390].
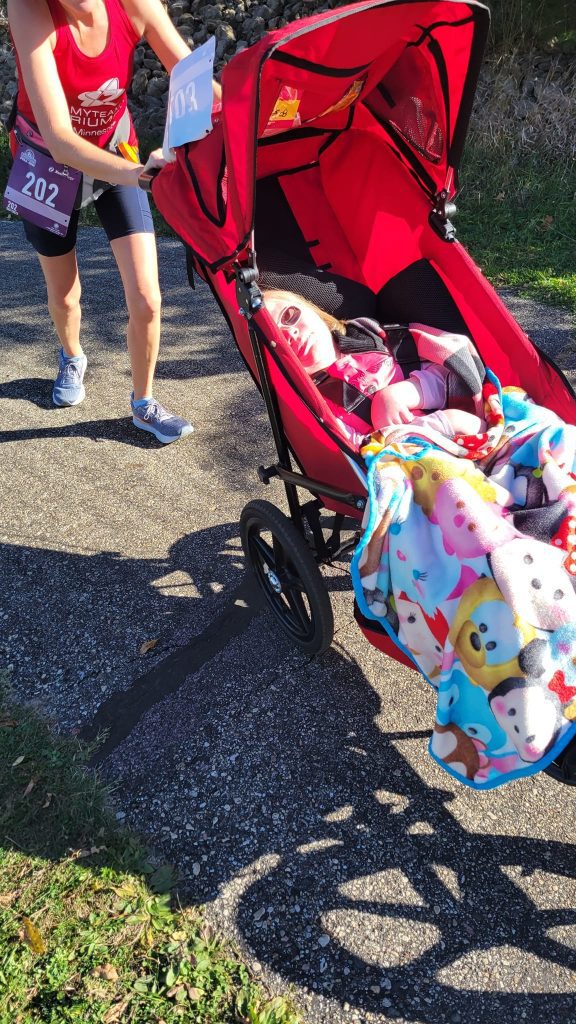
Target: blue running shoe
[68,387]
[154,418]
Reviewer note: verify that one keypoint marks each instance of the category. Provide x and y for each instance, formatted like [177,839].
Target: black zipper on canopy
[548,359]
[441,24]
[436,52]
[220,219]
[317,69]
[294,133]
[479,38]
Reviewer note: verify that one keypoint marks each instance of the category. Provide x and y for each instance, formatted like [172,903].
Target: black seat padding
[415,295]
[285,262]
[418,295]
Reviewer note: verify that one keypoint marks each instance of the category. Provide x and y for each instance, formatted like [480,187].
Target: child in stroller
[359,182]
[357,352]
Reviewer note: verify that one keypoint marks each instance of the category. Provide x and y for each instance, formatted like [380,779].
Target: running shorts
[122,210]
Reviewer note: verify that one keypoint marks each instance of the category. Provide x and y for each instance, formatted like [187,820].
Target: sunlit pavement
[296,796]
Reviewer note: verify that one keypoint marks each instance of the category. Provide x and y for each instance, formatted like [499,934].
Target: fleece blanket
[468,560]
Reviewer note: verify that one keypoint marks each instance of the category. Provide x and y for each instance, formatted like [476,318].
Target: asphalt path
[295,795]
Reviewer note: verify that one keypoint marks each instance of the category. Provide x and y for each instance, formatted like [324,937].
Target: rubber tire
[258,516]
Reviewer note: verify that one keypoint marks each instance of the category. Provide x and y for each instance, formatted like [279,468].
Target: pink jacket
[369,372]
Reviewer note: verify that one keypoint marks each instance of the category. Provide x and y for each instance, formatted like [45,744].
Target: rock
[139,82]
[226,40]
[158,86]
[210,13]
[200,36]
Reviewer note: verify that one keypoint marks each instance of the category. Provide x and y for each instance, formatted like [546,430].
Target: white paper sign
[190,97]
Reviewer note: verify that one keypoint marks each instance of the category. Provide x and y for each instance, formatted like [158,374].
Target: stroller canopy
[407,69]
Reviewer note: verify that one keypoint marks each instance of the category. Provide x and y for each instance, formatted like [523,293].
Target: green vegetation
[89,932]
[528,24]
[516,217]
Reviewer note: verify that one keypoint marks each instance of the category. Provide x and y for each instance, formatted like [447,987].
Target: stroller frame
[387,86]
[318,625]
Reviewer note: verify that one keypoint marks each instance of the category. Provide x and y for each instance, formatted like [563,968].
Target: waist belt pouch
[92,188]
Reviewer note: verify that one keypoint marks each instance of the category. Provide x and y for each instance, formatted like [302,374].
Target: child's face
[305,331]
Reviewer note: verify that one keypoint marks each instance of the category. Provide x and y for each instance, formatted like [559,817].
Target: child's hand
[395,404]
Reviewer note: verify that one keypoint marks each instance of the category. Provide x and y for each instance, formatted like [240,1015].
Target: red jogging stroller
[332,172]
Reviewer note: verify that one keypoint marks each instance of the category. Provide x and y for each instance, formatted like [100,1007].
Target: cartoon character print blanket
[468,560]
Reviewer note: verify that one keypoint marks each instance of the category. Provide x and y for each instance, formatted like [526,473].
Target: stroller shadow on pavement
[320,836]
[296,796]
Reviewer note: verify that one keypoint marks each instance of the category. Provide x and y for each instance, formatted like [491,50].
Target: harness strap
[393,338]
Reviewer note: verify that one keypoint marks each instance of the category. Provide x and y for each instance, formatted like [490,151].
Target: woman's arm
[151,19]
[33,33]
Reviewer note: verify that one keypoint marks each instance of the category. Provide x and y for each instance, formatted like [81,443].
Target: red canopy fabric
[410,67]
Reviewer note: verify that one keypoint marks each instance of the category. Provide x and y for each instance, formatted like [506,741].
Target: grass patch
[532,23]
[89,930]
[516,217]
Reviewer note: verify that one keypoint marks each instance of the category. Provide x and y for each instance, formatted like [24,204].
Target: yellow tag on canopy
[285,110]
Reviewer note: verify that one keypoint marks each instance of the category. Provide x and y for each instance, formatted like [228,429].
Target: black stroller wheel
[288,576]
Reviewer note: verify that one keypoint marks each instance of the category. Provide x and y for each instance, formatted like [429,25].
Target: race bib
[42,191]
[189,113]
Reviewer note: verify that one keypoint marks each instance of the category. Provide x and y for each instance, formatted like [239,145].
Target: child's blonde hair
[332,323]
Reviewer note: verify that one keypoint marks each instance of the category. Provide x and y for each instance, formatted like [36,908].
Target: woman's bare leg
[138,265]
[64,291]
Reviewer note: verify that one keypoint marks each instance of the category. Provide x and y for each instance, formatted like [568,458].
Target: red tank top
[95,87]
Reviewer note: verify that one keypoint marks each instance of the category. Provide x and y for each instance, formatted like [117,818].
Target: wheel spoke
[279,555]
[264,550]
[298,608]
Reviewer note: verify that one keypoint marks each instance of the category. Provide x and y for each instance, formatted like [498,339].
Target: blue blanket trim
[518,773]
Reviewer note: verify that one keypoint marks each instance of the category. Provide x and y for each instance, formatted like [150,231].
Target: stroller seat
[331,172]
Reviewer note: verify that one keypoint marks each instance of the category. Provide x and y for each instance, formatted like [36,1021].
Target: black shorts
[122,210]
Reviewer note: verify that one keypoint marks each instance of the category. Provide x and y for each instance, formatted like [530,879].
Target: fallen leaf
[7,723]
[106,971]
[32,937]
[116,1012]
[148,645]
[547,221]
[30,785]
[88,852]
[8,898]
[47,800]
[194,994]
[18,761]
